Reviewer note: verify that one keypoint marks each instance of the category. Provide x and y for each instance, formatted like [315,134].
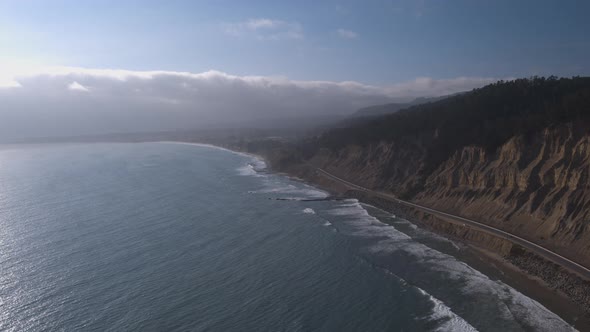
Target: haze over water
[176,237]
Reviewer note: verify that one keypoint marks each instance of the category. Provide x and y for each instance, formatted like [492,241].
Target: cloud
[265,29]
[41,103]
[75,86]
[9,83]
[347,34]
[262,23]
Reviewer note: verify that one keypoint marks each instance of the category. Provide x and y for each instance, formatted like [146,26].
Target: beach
[482,257]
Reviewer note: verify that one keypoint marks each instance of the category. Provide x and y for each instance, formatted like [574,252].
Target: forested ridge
[514,154]
[485,117]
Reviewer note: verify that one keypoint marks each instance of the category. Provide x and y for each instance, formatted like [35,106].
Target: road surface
[531,246]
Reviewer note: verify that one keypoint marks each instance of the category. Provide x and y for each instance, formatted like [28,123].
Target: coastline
[242,153]
[497,267]
[483,259]
[487,260]
[494,265]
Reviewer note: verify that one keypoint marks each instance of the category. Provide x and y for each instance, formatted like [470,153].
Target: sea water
[180,237]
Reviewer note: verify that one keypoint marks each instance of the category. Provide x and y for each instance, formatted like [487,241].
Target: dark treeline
[485,117]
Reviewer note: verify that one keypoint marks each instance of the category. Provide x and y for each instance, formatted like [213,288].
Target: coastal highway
[528,245]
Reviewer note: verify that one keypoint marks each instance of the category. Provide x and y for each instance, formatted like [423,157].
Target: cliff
[537,188]
[515,155]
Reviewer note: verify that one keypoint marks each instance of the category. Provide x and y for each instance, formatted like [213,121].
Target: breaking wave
[291,191]
[308,211]
[446,319]
[513,307]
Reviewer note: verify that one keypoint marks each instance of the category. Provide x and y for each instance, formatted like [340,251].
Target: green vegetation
[379,110]
[485,117]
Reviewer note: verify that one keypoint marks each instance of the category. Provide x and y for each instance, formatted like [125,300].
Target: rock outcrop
[536,187]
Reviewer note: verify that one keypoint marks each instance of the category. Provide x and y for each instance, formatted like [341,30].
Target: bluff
[513,154]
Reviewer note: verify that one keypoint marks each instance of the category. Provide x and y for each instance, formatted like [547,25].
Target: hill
[378,110]
[513,154]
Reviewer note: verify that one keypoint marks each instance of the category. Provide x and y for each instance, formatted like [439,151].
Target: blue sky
[374,42]
[89,67]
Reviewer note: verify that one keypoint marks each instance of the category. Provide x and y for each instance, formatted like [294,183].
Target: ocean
[183,237]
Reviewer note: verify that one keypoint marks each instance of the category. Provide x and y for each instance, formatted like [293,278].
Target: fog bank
[64,101]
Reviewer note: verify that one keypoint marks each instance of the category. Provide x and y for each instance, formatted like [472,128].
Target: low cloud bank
[75,101]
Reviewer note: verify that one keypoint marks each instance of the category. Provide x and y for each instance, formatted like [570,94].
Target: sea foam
[294,191]
[447,319]
[511,304]
[308,211]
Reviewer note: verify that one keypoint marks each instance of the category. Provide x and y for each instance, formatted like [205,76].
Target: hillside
[512,154]
[379,110]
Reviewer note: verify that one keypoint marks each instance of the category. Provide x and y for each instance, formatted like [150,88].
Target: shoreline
[483,259]
[495,266]
[498,268]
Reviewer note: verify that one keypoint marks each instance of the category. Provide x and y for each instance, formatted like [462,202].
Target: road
[531,246]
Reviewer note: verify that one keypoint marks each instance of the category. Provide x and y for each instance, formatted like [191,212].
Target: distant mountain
[378,110]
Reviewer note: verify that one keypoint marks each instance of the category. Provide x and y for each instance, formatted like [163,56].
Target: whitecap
[254,167]
[300,192]
[511,304]
[247,170]
[258,164]
[444,316]
[308,211]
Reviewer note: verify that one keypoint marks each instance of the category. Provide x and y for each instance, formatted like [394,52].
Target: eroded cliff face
[536,187]
[378,166]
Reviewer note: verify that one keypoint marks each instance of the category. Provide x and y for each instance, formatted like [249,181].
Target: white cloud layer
[347,34]
[75,86]
[266,29]
[71,101]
